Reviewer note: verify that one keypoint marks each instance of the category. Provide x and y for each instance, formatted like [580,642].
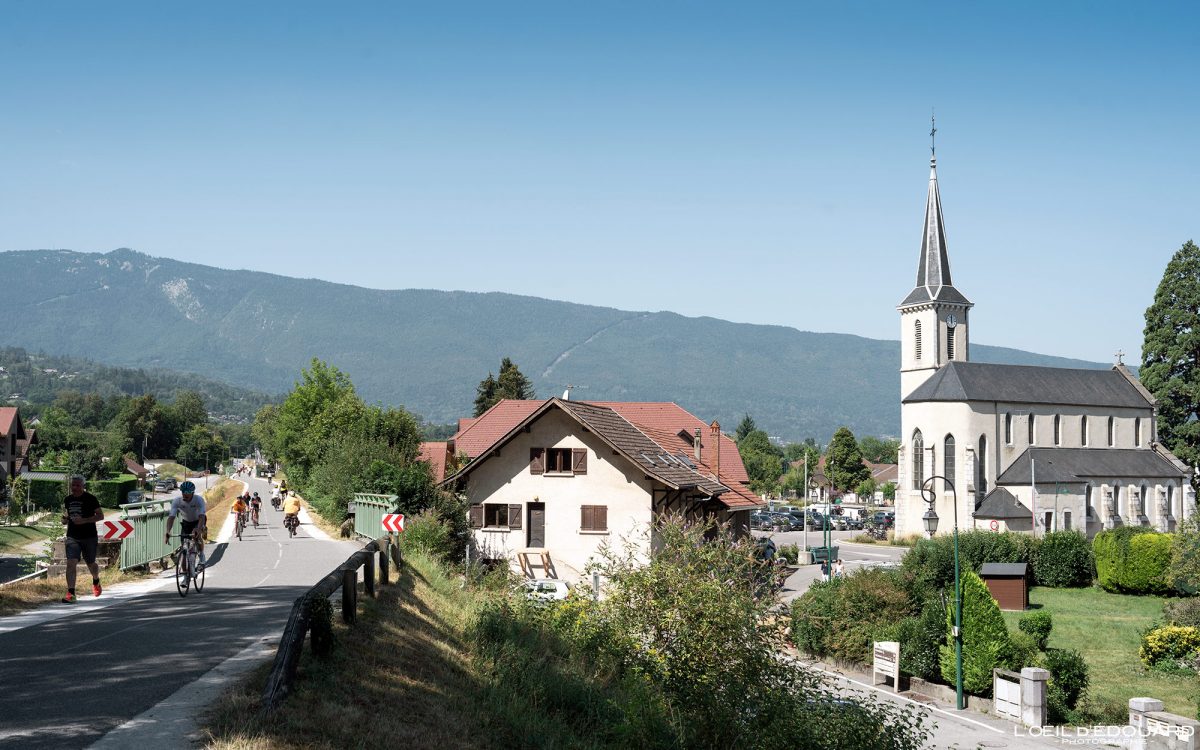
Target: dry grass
[38,592]
[401,677]
[219,499]
[332,529]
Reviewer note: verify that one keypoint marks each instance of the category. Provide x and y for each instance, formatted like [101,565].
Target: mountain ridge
[427,349]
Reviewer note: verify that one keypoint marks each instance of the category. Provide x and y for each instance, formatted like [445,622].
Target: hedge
[1133,560]
[48,494]
[1058,559]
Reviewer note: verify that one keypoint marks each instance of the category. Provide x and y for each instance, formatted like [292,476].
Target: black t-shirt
[84,506]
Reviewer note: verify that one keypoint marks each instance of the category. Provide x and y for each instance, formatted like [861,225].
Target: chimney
[696,445]
[715,427]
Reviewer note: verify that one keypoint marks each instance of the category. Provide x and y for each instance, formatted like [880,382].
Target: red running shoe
[96,589]
[69,598]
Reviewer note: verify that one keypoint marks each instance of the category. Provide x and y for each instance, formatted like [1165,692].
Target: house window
[917,337]
[593,518]
[1058,429]
[495,515]
[918,460]
[1008,428]
[1083,430]
[1137,431]
[948,459]
[560,461]
[981,463]
[1112,431]
[949,343]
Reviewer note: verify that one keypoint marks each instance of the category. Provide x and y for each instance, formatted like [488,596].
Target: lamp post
[930,519]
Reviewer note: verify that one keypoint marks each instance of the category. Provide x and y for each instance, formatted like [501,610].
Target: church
[1019,448]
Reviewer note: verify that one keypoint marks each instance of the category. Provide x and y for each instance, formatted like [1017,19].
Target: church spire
[933,268]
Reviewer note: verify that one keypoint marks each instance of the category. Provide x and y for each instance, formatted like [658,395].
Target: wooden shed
[1008,583]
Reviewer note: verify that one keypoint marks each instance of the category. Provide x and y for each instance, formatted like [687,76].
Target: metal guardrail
[344,577]
[146,544]
[369,511]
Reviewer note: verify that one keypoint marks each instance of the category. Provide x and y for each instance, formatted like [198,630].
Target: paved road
[68,681]
[853,556]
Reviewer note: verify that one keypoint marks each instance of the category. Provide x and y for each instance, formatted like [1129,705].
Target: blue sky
[758,162]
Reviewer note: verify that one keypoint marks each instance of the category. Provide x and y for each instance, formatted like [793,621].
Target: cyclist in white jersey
[195,520]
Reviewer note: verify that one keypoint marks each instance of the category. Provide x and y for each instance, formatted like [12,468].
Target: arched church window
[917,337]
[1058,429]
[918,460]
[1032,429]
[1141,503]
[981,468]
[1083,430]
[948,460]
[1112,431]
[1008,428]
[1137,431]
[1088,512]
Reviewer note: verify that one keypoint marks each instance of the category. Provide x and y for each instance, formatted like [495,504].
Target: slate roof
[933,267]
[1000,504]
[1004,569]
[669,418]
[981,381]
[1081,464]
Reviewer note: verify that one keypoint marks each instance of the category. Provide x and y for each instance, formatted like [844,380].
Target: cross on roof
[1120,353]
[932,133]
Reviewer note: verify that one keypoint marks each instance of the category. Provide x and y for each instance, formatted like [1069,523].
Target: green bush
[1063,559]
[47,494]
[920,637]
[1133,560]
[1068,683]
[1184,612]
[790,552]
[112,492]
[985,638]
[1170,647]
[1037,624]
[428,533]
[1023,651]
[841,618]
[932,560]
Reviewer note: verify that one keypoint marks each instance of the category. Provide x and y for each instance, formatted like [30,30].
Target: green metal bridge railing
[369,511]
[145,545]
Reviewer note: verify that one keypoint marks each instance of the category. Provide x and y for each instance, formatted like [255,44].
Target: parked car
[884,518]
[546,589]
[854,524]
[760,520]
[164,485]
[785,522]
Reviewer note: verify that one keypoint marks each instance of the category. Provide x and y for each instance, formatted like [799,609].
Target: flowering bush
[1170,647]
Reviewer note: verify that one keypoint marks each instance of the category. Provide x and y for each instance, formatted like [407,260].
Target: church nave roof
[1075,465]
[1027,384]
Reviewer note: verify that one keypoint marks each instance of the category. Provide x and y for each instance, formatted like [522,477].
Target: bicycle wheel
[238,528]
[182,577]
[198,578]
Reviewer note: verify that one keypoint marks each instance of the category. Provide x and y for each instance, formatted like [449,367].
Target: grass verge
[14,539]
[26,595]
[324,524]
[401,677]
[218,500]
[1106,629]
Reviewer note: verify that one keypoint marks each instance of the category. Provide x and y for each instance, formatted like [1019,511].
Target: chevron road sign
[114,529]
[393,522]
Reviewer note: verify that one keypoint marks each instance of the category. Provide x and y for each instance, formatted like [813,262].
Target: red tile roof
[434,453]
[661,422]
[8,418]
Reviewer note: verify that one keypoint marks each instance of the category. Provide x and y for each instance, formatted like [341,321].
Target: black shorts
[81,548]
[187,528]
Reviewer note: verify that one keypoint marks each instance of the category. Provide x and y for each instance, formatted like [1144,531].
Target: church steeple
[933,317]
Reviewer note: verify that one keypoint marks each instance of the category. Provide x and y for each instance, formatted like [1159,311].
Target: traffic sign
[114,529]
[393,522]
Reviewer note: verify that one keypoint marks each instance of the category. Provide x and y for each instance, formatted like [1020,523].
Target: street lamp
[930,520]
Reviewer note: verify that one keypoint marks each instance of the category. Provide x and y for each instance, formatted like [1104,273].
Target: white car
[546,589]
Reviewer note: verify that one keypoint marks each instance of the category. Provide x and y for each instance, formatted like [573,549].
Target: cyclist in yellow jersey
[291,506]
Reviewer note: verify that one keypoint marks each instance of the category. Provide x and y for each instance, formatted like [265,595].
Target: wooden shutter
[514,516]
[601,513]
[586,517]
[537,460]
[476,516]
[579,461]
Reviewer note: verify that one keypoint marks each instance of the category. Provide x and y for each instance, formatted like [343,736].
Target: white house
[1024,448]
[563,477]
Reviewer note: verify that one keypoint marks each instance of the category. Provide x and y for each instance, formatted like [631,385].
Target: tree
[186,412]
[844,466]
[889,491]
[796,451]
[745,427]
[879,451]
[298,424]
[763,461]
[511,383]
[865,489]
[1171,355]
[200,447]
[985,637]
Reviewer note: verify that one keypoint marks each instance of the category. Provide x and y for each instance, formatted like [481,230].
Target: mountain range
[427,350]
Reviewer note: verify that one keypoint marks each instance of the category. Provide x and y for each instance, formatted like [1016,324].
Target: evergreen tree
[512,383]
[1171,354]
[985,637]
[485,394]
[844,466]
[745,427]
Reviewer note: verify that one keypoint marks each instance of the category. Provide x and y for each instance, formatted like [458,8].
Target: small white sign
[887,663]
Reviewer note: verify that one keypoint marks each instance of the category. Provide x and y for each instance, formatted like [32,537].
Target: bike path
[68,681]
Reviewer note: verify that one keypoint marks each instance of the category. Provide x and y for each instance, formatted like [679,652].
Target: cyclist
[276,500]
[239,506]
[291,510]
[195,519]
[255,507]
[283,488]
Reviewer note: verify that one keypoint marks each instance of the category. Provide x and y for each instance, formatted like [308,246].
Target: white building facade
[1023,448]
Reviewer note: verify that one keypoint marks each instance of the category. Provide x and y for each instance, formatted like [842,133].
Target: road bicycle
[254,515]
[292,522]
[240,524]
[188,571]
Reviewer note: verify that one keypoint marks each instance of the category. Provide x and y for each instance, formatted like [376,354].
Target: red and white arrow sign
[393,522]
[114,529]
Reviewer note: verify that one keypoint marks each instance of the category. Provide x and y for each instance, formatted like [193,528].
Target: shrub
[1133,560]
[1038,625]
[1023,651]
[428,533]
[1182,612]
[932,560]
[1063,559]
[920,637]
[1185,557]
[1170,647]
[841,618]
[790,552]
[985,637]
[1068,682]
